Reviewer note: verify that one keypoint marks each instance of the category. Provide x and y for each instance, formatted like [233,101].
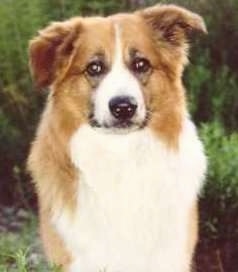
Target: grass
[21,252]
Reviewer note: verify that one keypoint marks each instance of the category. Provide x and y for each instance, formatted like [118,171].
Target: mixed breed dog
[116,161]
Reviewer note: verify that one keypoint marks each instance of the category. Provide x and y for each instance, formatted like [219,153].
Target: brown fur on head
[59,56]
[170,24]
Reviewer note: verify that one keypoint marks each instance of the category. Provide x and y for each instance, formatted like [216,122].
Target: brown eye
[140,65]
[96,68]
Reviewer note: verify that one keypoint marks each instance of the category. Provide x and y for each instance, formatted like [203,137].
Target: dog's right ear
[51,49]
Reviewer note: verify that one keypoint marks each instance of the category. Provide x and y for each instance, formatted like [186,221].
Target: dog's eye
[96,68]
[140,65]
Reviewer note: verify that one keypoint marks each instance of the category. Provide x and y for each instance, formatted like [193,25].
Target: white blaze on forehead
[118,82]
[118,57]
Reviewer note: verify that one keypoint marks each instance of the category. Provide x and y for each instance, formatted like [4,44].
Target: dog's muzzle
[122,114]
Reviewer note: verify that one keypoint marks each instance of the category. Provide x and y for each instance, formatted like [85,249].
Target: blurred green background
[211,80]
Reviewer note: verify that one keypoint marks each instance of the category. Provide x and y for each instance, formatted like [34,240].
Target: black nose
[122,107]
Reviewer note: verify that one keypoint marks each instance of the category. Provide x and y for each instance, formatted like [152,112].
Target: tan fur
[58,57]
[53,245]
[193,229]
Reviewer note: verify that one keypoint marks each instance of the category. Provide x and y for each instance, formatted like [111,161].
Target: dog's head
[118,73]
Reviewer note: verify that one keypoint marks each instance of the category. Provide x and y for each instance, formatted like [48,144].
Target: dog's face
[119,73]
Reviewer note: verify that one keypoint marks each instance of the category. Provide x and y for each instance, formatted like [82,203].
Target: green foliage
[222,153]
[212,94]
[17,256]
[219,198]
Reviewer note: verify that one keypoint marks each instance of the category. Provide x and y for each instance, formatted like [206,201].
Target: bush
[212,95]
[222,152]
[220,194]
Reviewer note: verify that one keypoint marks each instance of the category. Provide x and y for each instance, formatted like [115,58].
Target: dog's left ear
[173,24]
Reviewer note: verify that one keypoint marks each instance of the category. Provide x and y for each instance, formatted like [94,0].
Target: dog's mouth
[119,127]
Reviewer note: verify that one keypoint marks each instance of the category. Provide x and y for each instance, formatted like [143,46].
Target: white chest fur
[134,198]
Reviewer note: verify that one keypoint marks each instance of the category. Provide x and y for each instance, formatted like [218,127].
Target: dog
[116,161]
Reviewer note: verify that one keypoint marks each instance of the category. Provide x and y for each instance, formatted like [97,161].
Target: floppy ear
[173,24]
[50,49]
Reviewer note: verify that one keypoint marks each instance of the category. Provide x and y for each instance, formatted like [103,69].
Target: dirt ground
[219,256]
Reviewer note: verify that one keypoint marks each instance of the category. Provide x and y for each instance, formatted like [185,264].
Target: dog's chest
[134,198]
